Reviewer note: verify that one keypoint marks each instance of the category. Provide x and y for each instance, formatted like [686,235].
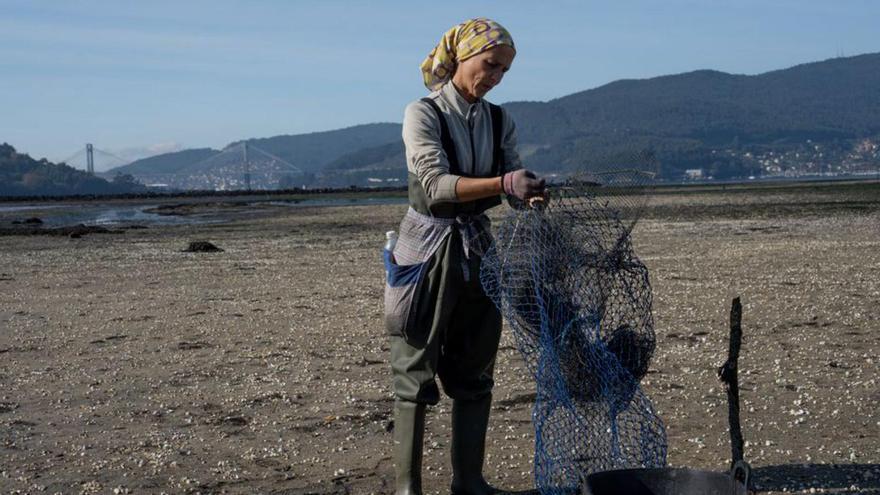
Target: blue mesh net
[578,300]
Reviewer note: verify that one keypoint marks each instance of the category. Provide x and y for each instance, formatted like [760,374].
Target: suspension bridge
[238,166]
[84,159]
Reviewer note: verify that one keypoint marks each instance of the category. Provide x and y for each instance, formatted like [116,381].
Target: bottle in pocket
[388,250]
[390,241]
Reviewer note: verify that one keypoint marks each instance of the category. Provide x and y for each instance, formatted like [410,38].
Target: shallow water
[56,215]
[4,209]
[72,214]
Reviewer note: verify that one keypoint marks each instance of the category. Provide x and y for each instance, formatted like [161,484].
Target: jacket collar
[456,101]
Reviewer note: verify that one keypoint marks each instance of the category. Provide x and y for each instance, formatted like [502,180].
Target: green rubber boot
[469,422]
[409,432]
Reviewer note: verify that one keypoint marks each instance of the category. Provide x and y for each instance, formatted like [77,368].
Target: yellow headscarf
[459,44]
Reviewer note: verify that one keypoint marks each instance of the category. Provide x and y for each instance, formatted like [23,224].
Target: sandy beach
[128,366]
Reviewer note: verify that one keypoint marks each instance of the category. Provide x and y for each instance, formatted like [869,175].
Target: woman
[461,156]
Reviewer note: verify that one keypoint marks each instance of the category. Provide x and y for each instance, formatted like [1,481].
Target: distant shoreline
[36,216]
[291,194]
[361,192]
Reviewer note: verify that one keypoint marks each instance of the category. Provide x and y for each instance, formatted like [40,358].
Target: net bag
[578,300]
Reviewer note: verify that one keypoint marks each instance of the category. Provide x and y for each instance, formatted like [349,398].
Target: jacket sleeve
[424,153]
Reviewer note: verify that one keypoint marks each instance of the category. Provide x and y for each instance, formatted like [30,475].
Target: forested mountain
[812,115]
[166,163]
[204,168]
[21,175]
[378,157]
[824,101]
[693,120]
[311,152]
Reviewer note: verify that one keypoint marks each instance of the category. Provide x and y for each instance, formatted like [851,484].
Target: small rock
[202,247]
[77,231]
[235,420]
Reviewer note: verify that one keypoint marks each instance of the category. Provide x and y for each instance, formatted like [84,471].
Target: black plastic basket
[669,481]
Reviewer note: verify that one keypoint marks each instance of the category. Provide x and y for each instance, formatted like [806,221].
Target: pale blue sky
[129,75]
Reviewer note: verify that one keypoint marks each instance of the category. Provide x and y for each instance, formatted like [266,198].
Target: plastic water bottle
[390,241]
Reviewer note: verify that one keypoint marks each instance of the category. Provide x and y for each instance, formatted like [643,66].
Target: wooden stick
[728,375]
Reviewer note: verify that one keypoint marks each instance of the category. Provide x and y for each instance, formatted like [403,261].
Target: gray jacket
[471,129]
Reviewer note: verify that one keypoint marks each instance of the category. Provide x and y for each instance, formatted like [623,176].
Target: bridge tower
[90,159]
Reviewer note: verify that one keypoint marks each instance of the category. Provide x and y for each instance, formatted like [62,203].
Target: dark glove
[522,184]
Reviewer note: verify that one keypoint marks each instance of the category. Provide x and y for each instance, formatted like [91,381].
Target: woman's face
[477,75]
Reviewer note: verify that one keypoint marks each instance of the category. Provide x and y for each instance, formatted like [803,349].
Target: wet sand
[128,366]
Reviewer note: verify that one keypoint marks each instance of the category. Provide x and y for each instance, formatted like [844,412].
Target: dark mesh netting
[578,300]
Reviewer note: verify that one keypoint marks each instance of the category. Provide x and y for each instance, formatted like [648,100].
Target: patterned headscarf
[459,44]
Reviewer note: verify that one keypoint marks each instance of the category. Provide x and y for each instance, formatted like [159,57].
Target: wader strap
[497,129]
[445,138]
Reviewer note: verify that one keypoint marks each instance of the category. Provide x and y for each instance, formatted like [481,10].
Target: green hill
[21,175]
[311,152]
[375,157]
[166,163]
[702,119]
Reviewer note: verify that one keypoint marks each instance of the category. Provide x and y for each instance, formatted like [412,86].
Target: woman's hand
[522,184]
